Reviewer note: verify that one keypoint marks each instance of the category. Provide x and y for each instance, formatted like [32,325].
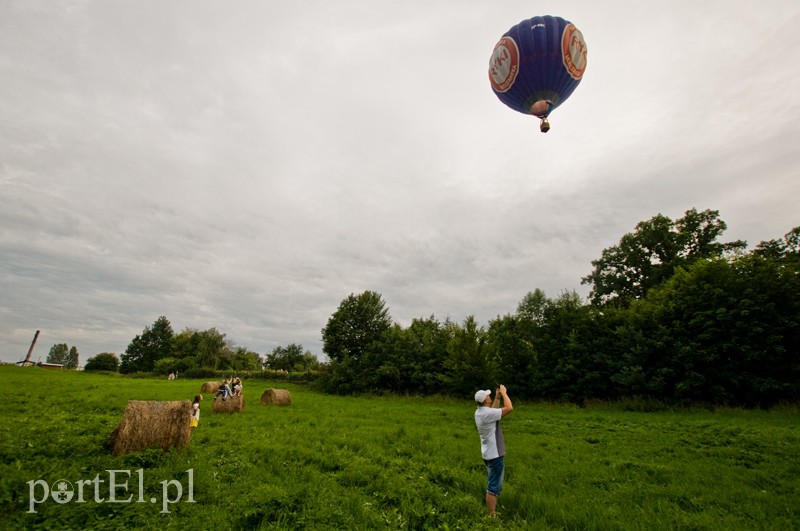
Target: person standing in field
[493,445]
[195,411]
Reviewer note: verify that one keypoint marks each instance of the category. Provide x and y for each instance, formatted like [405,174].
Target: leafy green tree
[391,364]
[407,360]
[134,358]
[71,361]
[106,361]
[288,358]
[58,353]
[185,344]
[650,255]
[470,364]
[517,341]
[352,332]
[357,323]
[532,307]
[566,363]
[212,350]
[511,347]
[310,362]
[146,349]
[730,332]
[427,354]
[386,366]
[246,360]
[786,250]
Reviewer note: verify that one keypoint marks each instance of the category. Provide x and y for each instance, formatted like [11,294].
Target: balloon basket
[544,126]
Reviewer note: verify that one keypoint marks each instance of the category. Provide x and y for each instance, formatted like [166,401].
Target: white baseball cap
[480,396]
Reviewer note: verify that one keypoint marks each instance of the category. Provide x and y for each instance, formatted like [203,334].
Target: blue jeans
[496,468]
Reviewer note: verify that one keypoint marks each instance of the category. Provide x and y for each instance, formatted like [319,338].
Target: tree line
[673,315]
[159,350]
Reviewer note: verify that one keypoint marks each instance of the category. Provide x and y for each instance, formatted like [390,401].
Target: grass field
[329,462]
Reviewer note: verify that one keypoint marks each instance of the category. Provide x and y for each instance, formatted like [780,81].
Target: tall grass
[331,462]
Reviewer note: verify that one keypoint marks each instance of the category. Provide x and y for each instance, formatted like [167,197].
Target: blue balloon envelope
[537,64]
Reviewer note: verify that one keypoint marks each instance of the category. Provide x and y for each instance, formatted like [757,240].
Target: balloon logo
[573,49]
[504,65]
[537,64]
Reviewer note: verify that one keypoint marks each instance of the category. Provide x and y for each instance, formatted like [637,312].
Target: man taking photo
[493,446]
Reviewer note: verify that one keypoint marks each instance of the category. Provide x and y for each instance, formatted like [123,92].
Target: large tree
[650,255]
[72,359]
[146,349]
[212,350]
[354,329]
[359,320]
[58,353]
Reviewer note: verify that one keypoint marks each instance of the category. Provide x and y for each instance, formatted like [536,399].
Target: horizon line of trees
[159,350]
[673,315]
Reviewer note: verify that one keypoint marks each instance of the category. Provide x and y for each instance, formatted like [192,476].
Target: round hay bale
[209,387]
[152,424]
[276,397]
[232,404]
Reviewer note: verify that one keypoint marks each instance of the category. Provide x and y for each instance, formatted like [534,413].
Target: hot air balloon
[537,64]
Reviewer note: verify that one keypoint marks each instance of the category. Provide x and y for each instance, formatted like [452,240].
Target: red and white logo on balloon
[504,64]
[573,51]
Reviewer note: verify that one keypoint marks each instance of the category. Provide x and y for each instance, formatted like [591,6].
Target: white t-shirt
[487,420]
[196,411]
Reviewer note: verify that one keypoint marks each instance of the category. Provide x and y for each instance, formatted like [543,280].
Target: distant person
[237,386]
[171,376]
[224,390]
[493,446]
[195,411]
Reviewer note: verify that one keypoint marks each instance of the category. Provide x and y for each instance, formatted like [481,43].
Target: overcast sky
[248,165]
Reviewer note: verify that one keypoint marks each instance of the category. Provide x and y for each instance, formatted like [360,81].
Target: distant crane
[30,350]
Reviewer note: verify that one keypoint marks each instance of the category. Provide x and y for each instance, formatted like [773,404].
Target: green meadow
[333,462]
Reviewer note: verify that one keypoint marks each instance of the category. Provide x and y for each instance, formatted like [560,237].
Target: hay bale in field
[276,397]
[232,404]
[209,387]
[152,424]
